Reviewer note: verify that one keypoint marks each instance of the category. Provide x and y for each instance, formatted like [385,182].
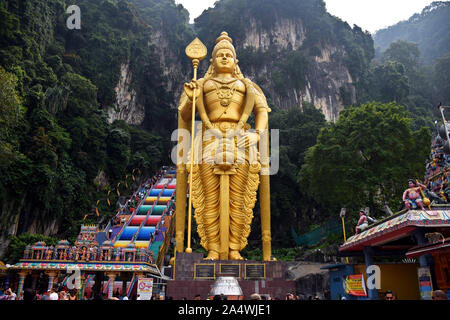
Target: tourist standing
[53,295]
[73,295]
[11,295]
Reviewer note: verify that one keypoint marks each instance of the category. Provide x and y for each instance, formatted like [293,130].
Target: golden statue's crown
[224,42]
[224,36]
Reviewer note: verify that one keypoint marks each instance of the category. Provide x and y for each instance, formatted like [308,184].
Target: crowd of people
[62,293]
[30,294]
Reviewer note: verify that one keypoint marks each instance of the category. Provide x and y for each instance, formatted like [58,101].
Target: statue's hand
[189,89]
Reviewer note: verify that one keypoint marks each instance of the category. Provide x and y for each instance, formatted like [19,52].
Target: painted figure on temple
[363,222]
[435,190]
[49,253]
[27,253]
[224,180]
[412,197]
[83,253]
[118,253]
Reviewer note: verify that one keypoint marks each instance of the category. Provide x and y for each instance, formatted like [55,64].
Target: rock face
[326,75]
[127,108]
[29,220]
[326,72]
[286,34]
[174,68]
[101,180]
[325,79]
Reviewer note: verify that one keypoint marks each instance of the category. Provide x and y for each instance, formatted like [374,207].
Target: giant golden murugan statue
[228,166]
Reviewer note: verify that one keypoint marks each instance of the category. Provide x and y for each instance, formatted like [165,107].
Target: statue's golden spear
[196,51]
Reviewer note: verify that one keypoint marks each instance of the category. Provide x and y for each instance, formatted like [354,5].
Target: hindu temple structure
[418,233]
[110,259]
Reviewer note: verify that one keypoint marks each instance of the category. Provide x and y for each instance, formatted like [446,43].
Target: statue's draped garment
[216,101]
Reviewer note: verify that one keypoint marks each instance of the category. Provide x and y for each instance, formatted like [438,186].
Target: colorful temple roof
[96,249]
[3,269]
[64,243]
[428,248]
[397,227]
[434,214]
[86,266]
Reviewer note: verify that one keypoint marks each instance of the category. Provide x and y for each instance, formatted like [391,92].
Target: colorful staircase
[147,227]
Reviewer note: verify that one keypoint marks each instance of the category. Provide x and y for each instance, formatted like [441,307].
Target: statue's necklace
[225,92]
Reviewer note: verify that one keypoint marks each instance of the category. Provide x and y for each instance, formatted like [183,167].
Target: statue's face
[224,60]
[411,184]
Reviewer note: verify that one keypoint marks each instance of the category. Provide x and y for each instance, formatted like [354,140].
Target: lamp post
[342,215]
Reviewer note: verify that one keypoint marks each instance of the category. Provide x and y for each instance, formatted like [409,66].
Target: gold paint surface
[223,170]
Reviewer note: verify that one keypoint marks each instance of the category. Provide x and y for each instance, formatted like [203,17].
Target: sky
[370,15]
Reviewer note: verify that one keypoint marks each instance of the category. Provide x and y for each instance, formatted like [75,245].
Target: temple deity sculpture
[412,197]
[363,222]
[228,166]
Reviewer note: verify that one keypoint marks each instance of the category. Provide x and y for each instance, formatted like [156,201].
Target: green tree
[441,79]
[17,245]
[118,152]
[365,158]
[11,113]
[298,130]
[429,29]
[390,82]
[407,53]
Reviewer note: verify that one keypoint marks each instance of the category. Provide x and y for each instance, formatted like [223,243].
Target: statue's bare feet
[235,255]
[212,255]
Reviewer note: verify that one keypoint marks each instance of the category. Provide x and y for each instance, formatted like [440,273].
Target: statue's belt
[225,126]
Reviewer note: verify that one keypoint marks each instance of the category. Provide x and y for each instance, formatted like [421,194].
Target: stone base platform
[193,275]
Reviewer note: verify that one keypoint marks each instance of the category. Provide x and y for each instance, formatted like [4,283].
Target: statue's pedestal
[193,275]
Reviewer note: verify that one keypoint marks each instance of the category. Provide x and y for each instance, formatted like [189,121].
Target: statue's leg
[237,216]
[407,205]
[243,187]
[420,204]
[209,226]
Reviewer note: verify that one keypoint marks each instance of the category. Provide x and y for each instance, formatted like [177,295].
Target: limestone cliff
[295,50]
[325,74]
[30,219]
[127,108]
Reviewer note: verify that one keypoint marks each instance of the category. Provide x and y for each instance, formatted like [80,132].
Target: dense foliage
[17,245]
[298,130]
[429,29]
[57,85]
[366,158]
